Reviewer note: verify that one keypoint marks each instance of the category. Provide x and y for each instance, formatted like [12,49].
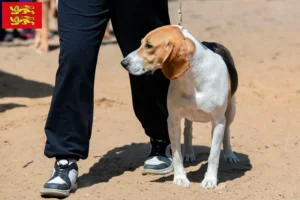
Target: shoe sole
[46,192]
[159,172]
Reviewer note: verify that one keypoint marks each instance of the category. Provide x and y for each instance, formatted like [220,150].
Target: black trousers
[81,26]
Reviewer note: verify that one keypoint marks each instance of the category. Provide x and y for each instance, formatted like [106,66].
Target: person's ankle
[165,141]
[68,160]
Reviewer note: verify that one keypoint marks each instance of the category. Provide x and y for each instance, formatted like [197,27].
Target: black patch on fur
[226,55]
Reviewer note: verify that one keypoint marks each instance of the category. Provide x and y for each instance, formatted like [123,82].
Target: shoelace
[61,170]
[158,148]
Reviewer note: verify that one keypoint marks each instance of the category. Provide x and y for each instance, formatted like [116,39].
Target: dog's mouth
[142,72]
[137,71]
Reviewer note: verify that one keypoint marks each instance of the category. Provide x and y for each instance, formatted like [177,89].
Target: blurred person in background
[108,35]
[41,39]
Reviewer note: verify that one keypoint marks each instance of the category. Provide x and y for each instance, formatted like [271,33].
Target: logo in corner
[15,10]
[22,15]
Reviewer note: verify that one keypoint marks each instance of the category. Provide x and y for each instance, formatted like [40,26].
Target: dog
[203,83]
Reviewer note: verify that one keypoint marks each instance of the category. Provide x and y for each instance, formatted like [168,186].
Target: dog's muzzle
[125,63]
[133,64]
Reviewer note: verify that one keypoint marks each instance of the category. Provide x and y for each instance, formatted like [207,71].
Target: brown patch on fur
[229,88]
[177,62]
[166,48]
[190,45]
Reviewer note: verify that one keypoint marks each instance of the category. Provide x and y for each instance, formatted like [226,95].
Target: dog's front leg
[211,176]
[174,134]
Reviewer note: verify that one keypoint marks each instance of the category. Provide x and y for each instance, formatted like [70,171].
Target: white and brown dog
[202,89]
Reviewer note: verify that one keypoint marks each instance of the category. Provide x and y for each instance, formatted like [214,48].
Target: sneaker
[62,181]
[159,160]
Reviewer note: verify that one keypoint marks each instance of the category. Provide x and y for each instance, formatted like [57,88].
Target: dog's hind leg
[189,155]
[229,156]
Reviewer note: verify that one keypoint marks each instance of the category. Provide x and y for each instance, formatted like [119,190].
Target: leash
[180,13]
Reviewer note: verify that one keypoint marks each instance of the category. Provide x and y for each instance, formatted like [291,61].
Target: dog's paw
[231,157]
[181,180]
[189,157]
[209,183]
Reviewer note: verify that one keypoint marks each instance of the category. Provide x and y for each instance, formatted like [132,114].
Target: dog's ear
[190,46]
[176,62]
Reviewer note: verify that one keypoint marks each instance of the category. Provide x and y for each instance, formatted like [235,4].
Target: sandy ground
[263,36]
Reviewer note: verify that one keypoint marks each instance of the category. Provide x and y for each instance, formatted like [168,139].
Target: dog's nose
[125,63]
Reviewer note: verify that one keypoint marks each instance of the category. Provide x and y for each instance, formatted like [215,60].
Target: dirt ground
[263,36]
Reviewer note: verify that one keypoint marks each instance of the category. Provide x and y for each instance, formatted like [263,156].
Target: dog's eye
[148,46]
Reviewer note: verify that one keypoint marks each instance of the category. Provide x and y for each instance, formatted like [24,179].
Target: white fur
[135,67]
[201,95]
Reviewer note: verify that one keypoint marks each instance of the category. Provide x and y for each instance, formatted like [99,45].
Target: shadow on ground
[9,106]
[226,172]
[130,157]
[115,163]
[109,42]
[16,86]
[53,47]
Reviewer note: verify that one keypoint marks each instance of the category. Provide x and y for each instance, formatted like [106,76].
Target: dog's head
[164,48]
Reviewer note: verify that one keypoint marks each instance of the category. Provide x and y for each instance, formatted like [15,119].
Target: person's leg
[132,20]
[107,34]
[81,26]
[44,45]
[53,8]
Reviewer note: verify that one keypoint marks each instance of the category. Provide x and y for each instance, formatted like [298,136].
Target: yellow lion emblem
[24,20]
[23,9]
